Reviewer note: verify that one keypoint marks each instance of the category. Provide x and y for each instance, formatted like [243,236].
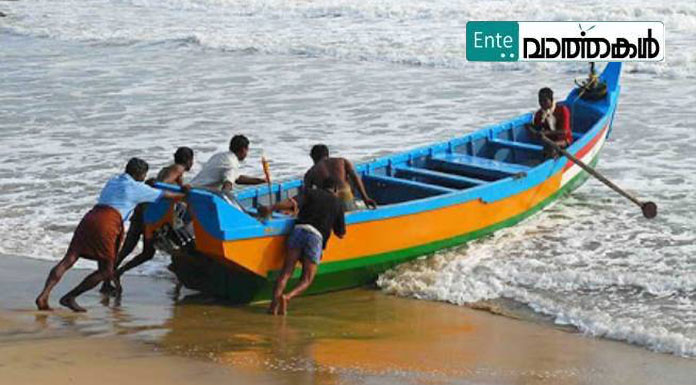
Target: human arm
[536,120]
[227,186]
[564,123]
[308,181]
[291,204]
[143,193]
[339,226]
[535,127]
[357,181]
[560,133]
[540,124]
[173,195]
[243,179]
[230,172]
[180,179]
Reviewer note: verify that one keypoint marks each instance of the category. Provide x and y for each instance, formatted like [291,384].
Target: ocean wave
[605,286]
[587,262]
[402,33]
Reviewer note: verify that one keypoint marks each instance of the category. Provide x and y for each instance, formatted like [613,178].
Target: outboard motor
[592,88]
[178,235]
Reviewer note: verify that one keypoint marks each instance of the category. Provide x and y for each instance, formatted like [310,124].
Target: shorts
[309,242]
[345,196]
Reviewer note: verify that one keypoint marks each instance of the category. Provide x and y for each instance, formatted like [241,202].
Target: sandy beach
[584,292]
[356,336]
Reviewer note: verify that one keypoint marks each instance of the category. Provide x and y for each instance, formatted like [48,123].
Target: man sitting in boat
[321,212]
[100,232]
[221,171]
[172,174]
[342,171]
[553,119]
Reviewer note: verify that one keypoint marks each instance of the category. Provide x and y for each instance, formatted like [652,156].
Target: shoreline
[354,336]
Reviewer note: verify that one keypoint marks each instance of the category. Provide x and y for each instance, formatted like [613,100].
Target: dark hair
[183,155]
[545,93]
[136,167]
[329,183]
[319,152]
[238,143]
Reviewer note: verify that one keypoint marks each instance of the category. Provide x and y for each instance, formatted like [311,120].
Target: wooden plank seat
[455,180]
[476,165]
[409,184]
[530,147]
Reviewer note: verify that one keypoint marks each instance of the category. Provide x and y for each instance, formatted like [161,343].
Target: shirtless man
[174,173]
[342,171]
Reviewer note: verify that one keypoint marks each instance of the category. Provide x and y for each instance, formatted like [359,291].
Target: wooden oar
[267,173]
[649,208]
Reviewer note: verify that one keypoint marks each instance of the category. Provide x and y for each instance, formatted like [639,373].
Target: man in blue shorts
[320,212]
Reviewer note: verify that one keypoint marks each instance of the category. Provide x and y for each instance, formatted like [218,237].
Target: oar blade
[649,209]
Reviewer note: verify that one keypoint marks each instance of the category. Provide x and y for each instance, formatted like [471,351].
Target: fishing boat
[430,198]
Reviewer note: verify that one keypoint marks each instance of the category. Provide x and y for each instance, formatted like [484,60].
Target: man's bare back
[344,173]
[172,174]
[329,167]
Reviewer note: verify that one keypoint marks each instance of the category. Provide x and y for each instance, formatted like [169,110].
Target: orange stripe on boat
[261,255]
[588,147]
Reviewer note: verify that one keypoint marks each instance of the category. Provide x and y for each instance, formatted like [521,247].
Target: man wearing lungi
[99,235]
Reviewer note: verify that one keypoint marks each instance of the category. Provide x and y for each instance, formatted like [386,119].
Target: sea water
[86,85]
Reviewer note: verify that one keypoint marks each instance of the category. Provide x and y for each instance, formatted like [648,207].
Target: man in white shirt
[221,171]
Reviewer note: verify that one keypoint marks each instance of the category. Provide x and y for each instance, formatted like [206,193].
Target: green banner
[492,41]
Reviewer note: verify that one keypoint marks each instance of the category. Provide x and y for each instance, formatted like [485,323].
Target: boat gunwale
[534,177]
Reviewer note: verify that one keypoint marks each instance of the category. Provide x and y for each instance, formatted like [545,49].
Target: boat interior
[479,158]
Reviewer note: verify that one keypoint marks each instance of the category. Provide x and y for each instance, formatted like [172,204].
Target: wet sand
[357,336]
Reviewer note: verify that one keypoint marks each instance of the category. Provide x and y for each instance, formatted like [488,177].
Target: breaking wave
[388,31]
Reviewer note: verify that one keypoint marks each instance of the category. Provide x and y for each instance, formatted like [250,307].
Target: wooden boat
[429,198]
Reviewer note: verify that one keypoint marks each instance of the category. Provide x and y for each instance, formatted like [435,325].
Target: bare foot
[107,289]
[70,303]
[283,307]
[42,303]
[177,289]
[273,308]
[118,289]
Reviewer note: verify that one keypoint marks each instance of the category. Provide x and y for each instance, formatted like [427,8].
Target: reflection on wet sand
[356,336]
[364,332]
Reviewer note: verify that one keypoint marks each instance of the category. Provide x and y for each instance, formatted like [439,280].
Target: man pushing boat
[100,232]
[340,169]
[172,174]
[321,211]
[221,171]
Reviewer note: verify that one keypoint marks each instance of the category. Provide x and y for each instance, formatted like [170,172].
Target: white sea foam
[591,261]
[582,283]
[582,264]
[392,31]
